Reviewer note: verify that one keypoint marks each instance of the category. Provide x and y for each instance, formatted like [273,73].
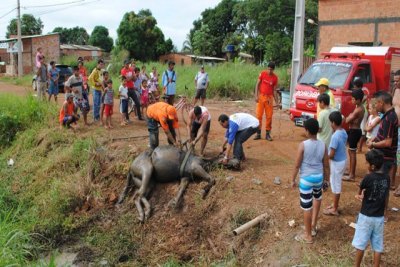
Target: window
[361,43]
[364,73]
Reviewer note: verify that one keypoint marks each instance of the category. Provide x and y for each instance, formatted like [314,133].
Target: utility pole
[298,45]
[19,40]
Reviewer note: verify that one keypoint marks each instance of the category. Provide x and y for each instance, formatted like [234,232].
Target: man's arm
[202,129]
[325,162]
[67,85]
[396,98]
[256,90]
[354,115]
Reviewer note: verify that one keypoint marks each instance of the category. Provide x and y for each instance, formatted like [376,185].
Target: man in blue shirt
[169,82]
[240,126]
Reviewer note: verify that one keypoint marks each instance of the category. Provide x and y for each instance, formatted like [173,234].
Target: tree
[140,35]
[100,37]
[76,35]
[29,26]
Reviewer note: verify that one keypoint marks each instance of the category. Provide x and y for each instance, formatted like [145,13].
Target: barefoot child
[123,101]
[312,161]
[144,96]
[354,133]
[374,189]
[337,160]
[106,77]
[108,104]
[68,113]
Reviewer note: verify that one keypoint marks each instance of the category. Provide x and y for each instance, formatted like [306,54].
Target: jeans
[96,104]
[134,95]
[152,126]
[240,138]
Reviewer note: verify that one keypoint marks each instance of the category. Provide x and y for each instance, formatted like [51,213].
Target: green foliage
[72,61]
[202,41]
[77,35]
[100,37]
[17,114]
[29,26]
[140,35]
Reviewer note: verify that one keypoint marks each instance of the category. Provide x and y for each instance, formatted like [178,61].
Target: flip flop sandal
[348,179]
[300,238]
[329,212]
[314,232]
[396,193]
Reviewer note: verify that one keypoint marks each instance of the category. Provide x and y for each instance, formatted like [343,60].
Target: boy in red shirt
[264,97]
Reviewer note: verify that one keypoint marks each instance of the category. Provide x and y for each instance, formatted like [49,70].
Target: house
[87,52]
[188,59]
[361,23]
[50,44]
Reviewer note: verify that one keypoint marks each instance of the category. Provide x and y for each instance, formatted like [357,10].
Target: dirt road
[204,228]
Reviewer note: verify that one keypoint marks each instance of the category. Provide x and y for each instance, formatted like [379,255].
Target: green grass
[25,80]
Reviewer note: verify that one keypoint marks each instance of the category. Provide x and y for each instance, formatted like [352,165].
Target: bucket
[285,100]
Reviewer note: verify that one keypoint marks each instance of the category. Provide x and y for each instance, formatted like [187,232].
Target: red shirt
[267,83]
[128,73]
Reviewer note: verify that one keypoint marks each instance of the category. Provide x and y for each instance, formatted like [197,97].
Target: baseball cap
[202,67]
[322,81]
[171,112]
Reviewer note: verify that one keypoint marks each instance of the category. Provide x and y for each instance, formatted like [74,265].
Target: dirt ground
[201,230]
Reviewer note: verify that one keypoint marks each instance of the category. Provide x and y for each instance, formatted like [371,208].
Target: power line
[60,9]
[8,13]
[61,4]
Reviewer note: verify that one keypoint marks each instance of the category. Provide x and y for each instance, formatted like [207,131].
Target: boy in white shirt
[123,101]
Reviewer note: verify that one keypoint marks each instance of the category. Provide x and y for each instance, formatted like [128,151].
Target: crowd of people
[321,160]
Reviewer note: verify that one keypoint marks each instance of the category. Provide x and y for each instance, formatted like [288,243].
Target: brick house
[188,59]
[87,52]
[358,22]
[50,44]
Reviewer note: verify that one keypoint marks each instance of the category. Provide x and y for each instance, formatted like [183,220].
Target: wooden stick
[128,137]
[250,224]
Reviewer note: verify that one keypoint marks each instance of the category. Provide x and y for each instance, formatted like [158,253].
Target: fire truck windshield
[335,72]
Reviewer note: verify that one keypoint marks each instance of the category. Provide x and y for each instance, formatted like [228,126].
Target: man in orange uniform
[264,94]
[164,114]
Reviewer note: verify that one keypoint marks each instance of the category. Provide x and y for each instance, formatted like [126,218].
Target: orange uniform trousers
[265,104]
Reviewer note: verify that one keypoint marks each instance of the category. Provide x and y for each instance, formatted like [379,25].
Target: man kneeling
[68,113]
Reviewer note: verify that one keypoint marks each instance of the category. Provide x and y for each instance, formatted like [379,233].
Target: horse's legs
[130,182]
[182,187]
[139,209]
[145,202]
[199,172]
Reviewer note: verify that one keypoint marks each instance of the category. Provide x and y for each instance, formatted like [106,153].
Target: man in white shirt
[201,82]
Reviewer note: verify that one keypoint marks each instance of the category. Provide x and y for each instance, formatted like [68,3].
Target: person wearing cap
[201,82]
[169,82]
[264,96]
[164,114]
[95,81]
[74,85]
[68,113]
[199,126]
[42,78]
[323,87]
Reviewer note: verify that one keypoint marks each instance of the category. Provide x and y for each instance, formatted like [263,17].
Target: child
[104,86]
[108,104]
[123,101]
[144,97]
[374,189]
[337,162]
[373,121]
[325,129]
[312,161]
[68,113]
[354,133]
[54,75]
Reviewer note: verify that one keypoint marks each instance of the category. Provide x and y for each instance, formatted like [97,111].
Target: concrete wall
[344,21]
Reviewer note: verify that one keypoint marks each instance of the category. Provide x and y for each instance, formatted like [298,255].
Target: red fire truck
[375,66]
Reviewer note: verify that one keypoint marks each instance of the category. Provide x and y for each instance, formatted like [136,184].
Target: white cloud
[174,17]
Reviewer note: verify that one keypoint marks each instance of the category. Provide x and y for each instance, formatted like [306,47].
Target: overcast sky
[174,17]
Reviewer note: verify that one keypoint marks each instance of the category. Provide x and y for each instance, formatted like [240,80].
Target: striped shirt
[388,128]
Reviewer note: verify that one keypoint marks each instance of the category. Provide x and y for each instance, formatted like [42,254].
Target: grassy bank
[25,80]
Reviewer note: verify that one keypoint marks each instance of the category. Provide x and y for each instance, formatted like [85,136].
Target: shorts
[200,93]
[195,129]
[354,136]
[67,118]
[337,169]
[310,188]
[82,104]
[369,228]
[123,105]
[53,88]
[108,110]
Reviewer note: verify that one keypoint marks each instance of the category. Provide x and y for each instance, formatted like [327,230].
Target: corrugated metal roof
[206,57]
[80,47]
